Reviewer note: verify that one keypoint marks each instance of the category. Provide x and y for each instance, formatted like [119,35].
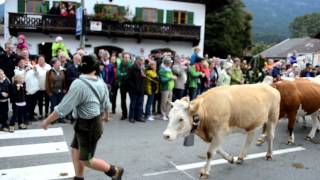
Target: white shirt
[42,75]
[32,82]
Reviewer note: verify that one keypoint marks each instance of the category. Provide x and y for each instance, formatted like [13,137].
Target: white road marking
[33,149]
[50,171]
[180,168]
[31,133]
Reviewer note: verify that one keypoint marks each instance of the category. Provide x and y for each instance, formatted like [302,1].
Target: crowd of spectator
[157,79]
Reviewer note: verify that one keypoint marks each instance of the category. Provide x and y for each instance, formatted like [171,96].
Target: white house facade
[120,25]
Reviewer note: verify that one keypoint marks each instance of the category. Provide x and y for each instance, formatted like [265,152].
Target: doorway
[45,49]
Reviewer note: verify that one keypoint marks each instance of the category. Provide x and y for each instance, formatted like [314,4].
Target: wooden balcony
[66,25]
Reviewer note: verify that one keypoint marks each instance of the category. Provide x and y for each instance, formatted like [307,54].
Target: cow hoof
[290,143]
[260,141]
[204,176]
[232,161]
[308,138]
[240,161]
[268,157]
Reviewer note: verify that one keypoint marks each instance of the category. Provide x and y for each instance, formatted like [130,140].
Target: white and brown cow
[299,97]
[223,110]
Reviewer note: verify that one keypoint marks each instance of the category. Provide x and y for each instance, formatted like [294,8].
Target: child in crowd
[19,98]
[4,106]
[22,43]
[59,46]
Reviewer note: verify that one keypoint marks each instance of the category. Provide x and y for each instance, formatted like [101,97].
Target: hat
[59,38]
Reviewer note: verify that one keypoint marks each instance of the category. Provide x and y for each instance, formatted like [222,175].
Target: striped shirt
[82,101]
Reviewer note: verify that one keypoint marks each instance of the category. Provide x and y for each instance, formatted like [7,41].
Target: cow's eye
[180,120]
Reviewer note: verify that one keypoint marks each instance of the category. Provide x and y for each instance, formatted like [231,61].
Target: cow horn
[186,99]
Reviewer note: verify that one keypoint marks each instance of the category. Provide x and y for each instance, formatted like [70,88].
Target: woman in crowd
[55,85]
[193,78]
[179,69]
[152,87]
[42,69]
[4,99]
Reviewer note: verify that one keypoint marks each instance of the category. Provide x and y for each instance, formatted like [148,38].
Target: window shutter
[190,18]
[21,6]
[47,4]
[160,16]
[170,17]
[139,14]
[122,10]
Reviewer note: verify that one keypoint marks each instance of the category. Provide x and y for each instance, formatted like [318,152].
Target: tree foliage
[228,28]
[307,25]
[258,48]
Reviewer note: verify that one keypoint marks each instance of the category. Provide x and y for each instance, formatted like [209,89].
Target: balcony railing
[66,25]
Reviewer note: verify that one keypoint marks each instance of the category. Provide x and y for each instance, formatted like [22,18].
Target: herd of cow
[228,109]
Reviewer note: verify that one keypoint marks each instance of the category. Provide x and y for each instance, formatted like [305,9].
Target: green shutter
[122,10]
[170,17]
[21,6]
[47,4]
[139,14]
[190,18]
[160,16]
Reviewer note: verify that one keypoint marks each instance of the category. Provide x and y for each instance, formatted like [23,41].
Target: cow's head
[180,118]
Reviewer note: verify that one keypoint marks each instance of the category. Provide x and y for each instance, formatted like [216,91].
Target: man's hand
[4,94]
[44,124]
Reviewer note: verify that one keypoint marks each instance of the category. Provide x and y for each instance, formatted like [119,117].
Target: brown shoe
[119,172]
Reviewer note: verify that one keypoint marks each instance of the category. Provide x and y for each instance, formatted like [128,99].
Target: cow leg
[226,156]
[270,135]
[291,124]
[215,143]
[263,135]
[243,153]
[304,122]
[315,126]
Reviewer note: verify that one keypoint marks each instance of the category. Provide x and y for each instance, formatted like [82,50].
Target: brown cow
[224,110]
[299,97]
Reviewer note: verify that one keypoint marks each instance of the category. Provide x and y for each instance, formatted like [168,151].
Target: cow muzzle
[168,136]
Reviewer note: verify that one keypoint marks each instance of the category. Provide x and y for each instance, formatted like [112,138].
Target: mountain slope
[271,18]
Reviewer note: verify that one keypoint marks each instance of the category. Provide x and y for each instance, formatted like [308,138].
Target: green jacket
[56,46]
[122,72]
[236,76]
[166,79]
[193,76]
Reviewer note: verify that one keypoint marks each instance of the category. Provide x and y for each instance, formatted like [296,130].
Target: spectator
[194,55]
[317,70]
[229,59]
[225,76]
[42,69]
[193,79]
[166,85]
[236,73]
[72,71]
[136,88]
[19,98]
[179,70]
[21,67]
[4,96]
[123,78]
[71,9]
[152,87]
[115,84]
[63,9]
[214,72]
[22,43]
[32,87]
[105,57]
[55,85]
[268,67]
[308,71]
[276,71]
[55,10]
[205,81]
[156,106]
[65,63]
[7,60]
[58,46]
[293,58]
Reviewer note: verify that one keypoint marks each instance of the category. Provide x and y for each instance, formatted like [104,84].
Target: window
[180,17]
[33,6]
[150,15]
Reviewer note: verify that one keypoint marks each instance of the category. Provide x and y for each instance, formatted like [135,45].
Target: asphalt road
[145,155]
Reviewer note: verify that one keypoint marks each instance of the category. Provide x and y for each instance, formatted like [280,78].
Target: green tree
[228,28]
[258,48]
[304,26]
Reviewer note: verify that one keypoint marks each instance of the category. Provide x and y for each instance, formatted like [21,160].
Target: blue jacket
[276,72]
[107,74]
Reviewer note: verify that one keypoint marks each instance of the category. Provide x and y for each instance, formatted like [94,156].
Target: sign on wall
[95,25]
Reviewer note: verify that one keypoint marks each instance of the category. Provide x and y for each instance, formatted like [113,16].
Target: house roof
[301,45]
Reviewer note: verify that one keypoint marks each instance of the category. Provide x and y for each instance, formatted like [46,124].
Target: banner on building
[79,19]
